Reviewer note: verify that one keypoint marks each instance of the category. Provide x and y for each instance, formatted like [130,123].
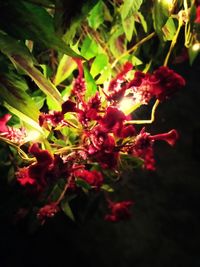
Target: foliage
[72,77]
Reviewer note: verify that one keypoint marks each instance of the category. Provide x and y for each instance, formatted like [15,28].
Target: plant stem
[151,35]
[146,121]
[20,152]
[174,40]
[64,191]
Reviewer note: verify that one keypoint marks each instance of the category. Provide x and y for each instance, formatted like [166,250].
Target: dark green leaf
[67,209]
[20,56]
[83,184]
[128,161]
[160,16]
[80,13]
[31,22]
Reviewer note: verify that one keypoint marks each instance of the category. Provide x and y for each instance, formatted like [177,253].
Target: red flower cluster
[93,178]
[143,146]
[48,211]
[16,135]
[162,84]
[119,211]
[101,135]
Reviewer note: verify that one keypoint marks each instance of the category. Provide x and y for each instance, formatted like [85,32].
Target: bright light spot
[196,47]
[168,3]
[33,136]
[126,104]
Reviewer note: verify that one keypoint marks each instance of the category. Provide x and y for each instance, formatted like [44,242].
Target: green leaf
[20,56]
[24,117]
[66,92]
[105,75]
[136,61]
[13,91]
[169,30]
[128,161]
[193,53]
[91,87]
[65,68]
[129,5]
[89,48]
[31,22]
[98,64]
[96,16]
[83,184]
[142,21]
[129,26]
[67,209]
[117,41]
[160,16]
[82,10]
[107,188]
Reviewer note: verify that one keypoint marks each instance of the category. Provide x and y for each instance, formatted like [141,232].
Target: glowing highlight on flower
[32,135]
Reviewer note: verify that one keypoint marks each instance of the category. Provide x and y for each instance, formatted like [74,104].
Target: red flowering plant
[75,126]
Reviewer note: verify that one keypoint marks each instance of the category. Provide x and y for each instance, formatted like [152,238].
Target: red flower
[197,20]
[40,169]
[112,117]
[43,156]
[100,141]
[68,106]
[53,118]
[95,102]
[141,87]
[170,137]
[3,121]
[143,148]
[93,178]
[24,178]
[16,135]
[165,82]
[117,86]
[107,160]
[48,211]
[119,211]
[124,131]
[162,84]
[79,83]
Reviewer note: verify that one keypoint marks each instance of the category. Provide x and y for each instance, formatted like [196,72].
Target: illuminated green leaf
[96,16]
[169,29]
[98,64]
[91,87]
[129,5]
[65,68]
[89,48]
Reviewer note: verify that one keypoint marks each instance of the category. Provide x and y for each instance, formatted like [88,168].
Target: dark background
[164,229]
